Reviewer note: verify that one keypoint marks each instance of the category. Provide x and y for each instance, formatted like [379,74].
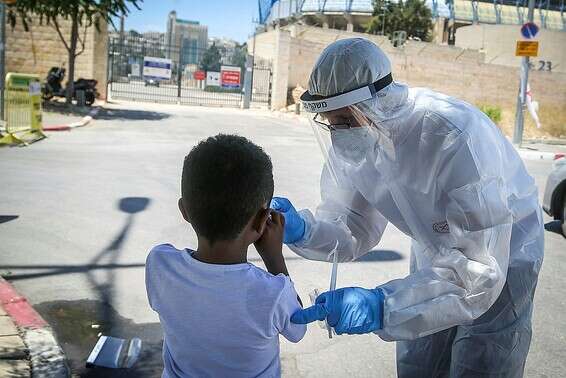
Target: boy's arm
[275,263]
[286,306]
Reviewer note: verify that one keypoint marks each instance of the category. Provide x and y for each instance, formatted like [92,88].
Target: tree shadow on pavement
[130,115]
[65,109]
[104,113]
[73,320]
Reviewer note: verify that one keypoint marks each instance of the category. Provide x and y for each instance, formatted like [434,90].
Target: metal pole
[179,69]
[248,82]
[2,57]
[253,64]
[519,115]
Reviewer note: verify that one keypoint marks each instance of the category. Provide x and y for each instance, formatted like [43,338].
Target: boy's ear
[261,220]
[183,211]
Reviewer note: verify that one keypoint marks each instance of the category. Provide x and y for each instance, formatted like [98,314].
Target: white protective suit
[443,174]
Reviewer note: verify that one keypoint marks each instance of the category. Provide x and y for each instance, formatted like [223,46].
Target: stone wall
[459,72]
[498,42]
[37,50]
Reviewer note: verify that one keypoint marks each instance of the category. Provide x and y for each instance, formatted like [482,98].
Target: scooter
[53,86]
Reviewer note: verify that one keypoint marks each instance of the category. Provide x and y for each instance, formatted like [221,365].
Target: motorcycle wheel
[89,98]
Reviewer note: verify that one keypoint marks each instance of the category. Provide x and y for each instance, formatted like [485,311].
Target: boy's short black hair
[226,180]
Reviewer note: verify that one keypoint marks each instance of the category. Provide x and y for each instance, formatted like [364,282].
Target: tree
[82,13]
[412,16]
[240,55]
[211,59]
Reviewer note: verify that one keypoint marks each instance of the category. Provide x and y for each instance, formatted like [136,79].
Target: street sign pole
[248,82]
[519,115]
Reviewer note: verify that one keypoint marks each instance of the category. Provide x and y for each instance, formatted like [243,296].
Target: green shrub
[211,88]
[493,112]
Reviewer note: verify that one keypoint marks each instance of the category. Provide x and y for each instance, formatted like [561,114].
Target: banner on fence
[230,76]
[156,68]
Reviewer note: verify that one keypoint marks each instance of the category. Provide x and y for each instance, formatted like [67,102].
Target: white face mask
[353,145]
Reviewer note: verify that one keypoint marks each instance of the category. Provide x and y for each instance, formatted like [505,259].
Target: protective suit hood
[354,71]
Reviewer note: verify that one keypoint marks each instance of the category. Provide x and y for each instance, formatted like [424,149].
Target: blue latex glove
[294,224]
[351,310]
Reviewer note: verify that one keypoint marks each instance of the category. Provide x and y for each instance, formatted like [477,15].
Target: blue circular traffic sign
[529,30]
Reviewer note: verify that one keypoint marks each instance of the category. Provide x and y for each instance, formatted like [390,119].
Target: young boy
[222,316]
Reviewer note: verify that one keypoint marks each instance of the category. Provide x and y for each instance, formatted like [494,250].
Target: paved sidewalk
[27,345]
[14,355]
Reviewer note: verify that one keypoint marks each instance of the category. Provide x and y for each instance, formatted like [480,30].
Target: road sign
[156,68]
[529,30]
[213,79]
[199,75]
[526,48]
[230,76]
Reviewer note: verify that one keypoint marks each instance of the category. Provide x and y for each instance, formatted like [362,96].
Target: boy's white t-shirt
[219,320]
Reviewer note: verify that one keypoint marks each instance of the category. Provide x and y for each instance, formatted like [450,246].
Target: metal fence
[261,81]
[197,76]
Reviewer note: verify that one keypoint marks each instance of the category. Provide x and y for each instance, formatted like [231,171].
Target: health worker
[440,171]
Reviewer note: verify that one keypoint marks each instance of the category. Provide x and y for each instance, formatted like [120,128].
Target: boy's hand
[270,244]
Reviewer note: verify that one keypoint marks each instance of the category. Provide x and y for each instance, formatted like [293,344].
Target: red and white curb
[83,122]
[527,154]
[47,357]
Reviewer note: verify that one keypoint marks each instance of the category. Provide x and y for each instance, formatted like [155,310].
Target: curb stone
[33,343]
[83,122]
[535,155]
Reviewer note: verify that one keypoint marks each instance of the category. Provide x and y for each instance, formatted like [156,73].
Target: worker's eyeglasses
[328,126]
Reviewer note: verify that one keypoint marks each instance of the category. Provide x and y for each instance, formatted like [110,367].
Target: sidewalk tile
[12,347]
[15,369]
[7,327]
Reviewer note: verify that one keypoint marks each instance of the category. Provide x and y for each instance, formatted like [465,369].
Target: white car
[554,202]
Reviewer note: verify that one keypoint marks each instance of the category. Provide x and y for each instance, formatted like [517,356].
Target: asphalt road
[80,210]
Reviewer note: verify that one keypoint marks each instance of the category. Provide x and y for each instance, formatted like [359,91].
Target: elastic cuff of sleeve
[380,298]
[306,217]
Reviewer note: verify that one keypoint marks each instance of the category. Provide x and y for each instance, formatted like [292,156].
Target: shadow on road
[73,320]
[380,255]
[555,227]
[77,325]
[7,218]
[371,256]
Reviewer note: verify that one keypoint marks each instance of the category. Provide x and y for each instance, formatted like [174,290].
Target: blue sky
[224,18]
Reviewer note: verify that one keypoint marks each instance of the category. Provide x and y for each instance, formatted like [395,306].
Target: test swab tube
[333,282]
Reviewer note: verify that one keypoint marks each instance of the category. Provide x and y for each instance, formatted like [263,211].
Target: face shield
[346,129]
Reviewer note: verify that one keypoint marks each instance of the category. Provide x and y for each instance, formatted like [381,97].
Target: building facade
[186,40]
[447,15]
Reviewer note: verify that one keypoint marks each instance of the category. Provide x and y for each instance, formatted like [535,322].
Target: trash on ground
[113,352]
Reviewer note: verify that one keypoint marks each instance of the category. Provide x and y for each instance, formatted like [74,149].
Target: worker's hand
[351,310]
[294,223]
[271,241]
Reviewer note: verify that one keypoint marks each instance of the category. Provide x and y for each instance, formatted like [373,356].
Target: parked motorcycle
[53,86]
